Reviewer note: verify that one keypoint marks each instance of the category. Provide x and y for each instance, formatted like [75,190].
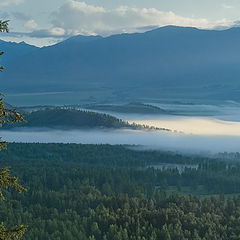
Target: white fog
[205,128]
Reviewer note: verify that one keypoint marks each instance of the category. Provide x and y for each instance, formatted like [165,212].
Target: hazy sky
[47,21]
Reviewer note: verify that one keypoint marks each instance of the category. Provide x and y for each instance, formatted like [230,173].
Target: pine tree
[7,181]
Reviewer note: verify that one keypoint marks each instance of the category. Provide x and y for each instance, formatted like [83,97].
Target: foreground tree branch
[7,181]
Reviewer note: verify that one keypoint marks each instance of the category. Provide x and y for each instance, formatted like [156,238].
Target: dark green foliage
[212,176]
[6,181]
[101,192]
[4,26]
[71,118]
[57,117]
[8,116]
[102,154]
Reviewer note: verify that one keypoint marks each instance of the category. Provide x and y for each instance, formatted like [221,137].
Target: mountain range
[166,63]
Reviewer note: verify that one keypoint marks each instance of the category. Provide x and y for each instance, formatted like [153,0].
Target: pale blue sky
[47,21]
[212,9]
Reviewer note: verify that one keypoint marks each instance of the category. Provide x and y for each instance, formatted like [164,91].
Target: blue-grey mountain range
[168,62]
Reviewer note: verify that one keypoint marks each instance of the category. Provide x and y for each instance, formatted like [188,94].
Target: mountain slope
[14,50]
[169,62]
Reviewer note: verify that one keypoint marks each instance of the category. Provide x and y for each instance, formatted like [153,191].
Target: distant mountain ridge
[169,62]
[14,50]
[132,108]
[78,39]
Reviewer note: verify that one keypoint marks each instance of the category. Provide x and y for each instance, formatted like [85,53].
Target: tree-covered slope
[70,118]
[67,118]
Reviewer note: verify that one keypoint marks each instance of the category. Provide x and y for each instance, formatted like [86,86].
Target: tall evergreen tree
[7,181]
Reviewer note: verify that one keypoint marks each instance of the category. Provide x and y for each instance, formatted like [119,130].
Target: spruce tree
[7,181]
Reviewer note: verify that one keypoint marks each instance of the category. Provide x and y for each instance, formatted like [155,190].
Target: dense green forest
[134,107]
[57,117]
[60,117]
[110,192]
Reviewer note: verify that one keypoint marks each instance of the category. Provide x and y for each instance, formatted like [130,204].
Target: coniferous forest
[70,118]
[117,192]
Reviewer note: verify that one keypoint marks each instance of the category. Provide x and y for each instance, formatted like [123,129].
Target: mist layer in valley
[199,128]
[208,120]
[152,140]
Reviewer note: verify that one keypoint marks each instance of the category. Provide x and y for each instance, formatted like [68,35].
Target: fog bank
[152,140]
[195,125]
[216,120]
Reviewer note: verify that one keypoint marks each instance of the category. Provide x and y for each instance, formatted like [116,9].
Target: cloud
[4,15]
[12,34]
[57,33]
[76,17]
[21,16]
[46,33]
[32,38]
[31,25]
[80,18]
[226,6]
[54,34]
[236,24]
[5,3]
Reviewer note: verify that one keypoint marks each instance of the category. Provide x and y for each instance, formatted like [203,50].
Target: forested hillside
[61,118]
[106,192]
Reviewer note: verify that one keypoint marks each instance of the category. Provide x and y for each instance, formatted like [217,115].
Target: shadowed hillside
[169,62]
[60,118]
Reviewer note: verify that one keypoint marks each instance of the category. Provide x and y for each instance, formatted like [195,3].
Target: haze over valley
[193,128]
